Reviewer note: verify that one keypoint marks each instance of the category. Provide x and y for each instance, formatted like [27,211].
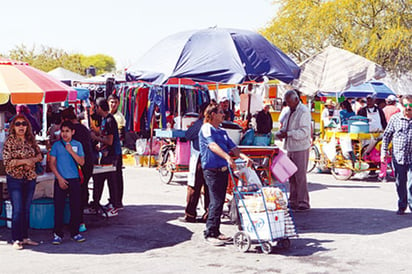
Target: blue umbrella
[380,90]
[215,55]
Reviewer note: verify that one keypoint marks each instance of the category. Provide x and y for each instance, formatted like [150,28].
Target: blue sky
[123,29]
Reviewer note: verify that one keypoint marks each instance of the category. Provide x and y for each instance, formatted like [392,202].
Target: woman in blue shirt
[346,112]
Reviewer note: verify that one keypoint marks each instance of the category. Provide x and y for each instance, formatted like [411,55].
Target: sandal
[29,241]
[17,245]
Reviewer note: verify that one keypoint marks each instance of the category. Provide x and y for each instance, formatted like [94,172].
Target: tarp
[335,70]
[215,55]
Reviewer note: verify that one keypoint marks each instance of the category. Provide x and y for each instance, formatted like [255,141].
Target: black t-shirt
[82,134]
[109,127]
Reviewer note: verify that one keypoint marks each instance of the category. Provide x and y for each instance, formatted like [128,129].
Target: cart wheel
[242,241]
[266,248]
[165,170]
[341,173]
[314,157]
[284,243]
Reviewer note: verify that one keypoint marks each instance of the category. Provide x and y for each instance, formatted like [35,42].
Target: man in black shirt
[111,153]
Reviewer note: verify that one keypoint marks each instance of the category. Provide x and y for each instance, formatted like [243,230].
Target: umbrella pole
[44,127]
[179,106]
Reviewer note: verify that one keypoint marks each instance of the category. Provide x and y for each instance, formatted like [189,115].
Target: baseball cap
[391,98]
[224,98]
[372,95]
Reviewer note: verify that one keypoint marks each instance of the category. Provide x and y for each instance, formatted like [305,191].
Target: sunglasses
[407,105]
[17,124]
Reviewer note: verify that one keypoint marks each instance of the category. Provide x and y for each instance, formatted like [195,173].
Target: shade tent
[335,70]
[215,55]
[380,90]
[400,84]
[63,74]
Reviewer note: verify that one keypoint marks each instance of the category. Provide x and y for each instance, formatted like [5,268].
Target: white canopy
[65,75]
[334,70]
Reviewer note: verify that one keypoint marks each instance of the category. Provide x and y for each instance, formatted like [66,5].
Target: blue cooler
[358,124]
[262,139]
[42,213]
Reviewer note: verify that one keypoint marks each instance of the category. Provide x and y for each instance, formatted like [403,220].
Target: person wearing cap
[229,114]
[391,108]
[264,122]
[399,132]
[329,112]
[377,120]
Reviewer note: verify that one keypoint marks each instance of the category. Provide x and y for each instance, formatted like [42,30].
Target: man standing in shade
[296,133]
[399,131]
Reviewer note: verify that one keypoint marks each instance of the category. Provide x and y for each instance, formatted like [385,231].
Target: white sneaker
[108,207]
[111,213]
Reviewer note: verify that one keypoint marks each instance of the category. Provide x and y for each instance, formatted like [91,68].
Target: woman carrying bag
[20,155]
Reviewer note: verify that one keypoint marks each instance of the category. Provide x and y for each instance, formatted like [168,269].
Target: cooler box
[282,167]
[42,213]
[270,225]
[233,130]
[262,139]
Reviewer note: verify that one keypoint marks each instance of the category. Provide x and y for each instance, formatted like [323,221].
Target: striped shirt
[399,131]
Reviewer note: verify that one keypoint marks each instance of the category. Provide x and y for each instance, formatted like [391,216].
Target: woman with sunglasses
[20,154]
[216,150]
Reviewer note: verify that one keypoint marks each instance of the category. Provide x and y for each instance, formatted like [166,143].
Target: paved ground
[352,228]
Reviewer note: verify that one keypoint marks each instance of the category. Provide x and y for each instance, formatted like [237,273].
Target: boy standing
[66,155]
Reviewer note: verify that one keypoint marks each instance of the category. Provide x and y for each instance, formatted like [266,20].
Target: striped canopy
[23,84]
[335,70]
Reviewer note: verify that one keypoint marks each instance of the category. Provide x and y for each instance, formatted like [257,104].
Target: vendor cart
[264,214]
[343,166]
[173,157]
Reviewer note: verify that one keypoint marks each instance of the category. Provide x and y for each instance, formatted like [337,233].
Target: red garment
[142,98]
[390,110]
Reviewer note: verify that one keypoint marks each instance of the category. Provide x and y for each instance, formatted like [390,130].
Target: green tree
[47,58]
[379,30]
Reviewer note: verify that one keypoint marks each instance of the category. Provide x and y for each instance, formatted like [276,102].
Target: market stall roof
[63,74]
[379,89]
[215,55]
[335,70]
[400,84]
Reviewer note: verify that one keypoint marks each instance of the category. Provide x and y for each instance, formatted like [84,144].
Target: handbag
[79,168]
[39,168]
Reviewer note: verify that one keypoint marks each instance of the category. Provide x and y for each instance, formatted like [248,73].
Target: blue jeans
[60,195]
[21,194]
[216,182]
[403,175]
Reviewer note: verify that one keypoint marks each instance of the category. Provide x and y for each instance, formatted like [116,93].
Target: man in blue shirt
[215,146]
[399,131]
[65,156]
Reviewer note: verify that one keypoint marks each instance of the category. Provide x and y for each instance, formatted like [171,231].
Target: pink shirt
[390,110]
